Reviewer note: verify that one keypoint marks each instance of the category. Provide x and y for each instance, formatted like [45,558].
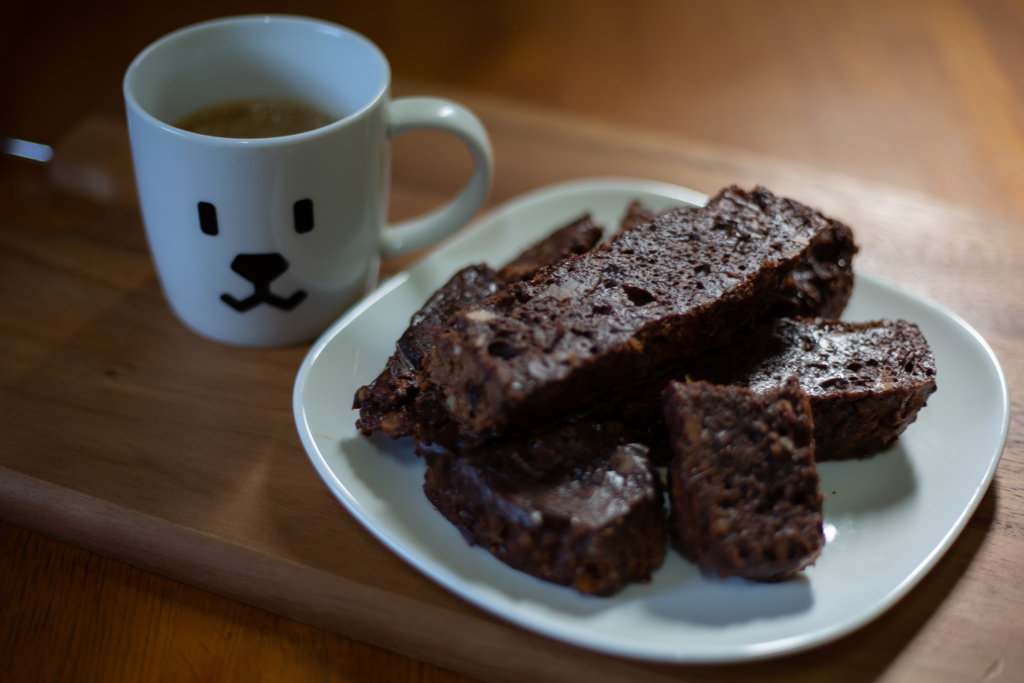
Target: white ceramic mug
[265,241]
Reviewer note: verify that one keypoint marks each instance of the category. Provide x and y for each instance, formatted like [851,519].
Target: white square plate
[888,519]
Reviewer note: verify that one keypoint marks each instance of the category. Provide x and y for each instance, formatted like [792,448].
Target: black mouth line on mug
[261,270]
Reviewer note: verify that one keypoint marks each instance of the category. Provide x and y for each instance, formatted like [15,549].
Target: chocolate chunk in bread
[577,237]
[821,284]
[578,506]
[552,347]
[743,486]
[866,382]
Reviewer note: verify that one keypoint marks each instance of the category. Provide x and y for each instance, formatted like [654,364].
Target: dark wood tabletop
[904,119]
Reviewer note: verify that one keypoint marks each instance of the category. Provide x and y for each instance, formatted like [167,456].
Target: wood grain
[903,119]
[155,628]
[925,95]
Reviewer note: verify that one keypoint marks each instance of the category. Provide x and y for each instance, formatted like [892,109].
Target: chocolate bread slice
[637,215]
[551,347]
[579,506]
[744,491]
[578,237]
[818,287]
[866,382]
[393,403]
[387,403]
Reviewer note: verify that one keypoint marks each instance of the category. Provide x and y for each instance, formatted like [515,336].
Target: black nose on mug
[261,270]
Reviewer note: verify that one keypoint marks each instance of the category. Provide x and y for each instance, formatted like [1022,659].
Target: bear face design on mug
[264,241]
[260,269]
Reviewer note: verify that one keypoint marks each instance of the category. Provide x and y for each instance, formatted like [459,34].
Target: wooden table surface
[905,119]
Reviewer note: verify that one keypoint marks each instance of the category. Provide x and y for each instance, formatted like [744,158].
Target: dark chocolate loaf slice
[579,507]
[392,403]
[637,215]
[743,486]
[866,382]
[818,287]
[597,325]
[387,403]
[577,237]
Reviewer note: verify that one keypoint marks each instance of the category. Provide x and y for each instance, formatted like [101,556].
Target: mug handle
[418,113]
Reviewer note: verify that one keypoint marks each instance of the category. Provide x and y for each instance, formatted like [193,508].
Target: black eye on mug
[208,218]
[303,211]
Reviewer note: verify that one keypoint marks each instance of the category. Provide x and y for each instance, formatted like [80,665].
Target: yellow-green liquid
[268,117]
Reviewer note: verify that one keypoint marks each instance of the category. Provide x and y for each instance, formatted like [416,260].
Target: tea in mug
[268,117]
